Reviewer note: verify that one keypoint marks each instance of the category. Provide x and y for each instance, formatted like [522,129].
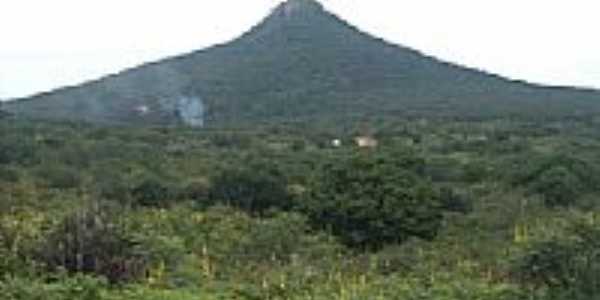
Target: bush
[369,201]
[16,149]
[8,175]
[111,179]
[282,237]
[113,188]
[559,179]
[474,172]
[152,192]
[58,176]
[76,288]
[455,202]
[558,186]
[91,242]
[567,262]
[20,231]
[230,140]
[254,189]
[197,190]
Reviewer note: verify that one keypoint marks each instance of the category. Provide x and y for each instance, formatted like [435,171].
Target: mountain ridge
[300,53]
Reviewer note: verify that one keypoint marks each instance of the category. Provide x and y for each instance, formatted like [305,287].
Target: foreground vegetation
[496,209]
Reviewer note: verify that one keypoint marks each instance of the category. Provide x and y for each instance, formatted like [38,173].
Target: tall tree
[370,200]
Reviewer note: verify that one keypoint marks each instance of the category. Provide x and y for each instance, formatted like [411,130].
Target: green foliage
[8,174]
[75,288]
[283,238]
[10,262]
[448,287]
[567,263]
[58,176]
[455,202]
[560,179]
[196,190]
[92,242]
[230,140]
[17,150]
[370,200]
[113,186]
[161,231]
[255,189]
[475,172]
[20,229]
[152,192]
[558,186]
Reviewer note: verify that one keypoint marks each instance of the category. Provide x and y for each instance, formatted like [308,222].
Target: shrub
[474,172]
[284,236]
[197,190]
[152,192]
[254,189]
[92,242]
[369,201]
[20,231]
[58,176]
[568,262]
[455,202]
[9,175]
[559,179]
[17,150]
[558,186]
[10,262]
[113,188]
[230,140]
[110,179]
[76,288]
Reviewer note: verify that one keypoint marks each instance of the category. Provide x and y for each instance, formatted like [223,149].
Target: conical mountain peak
[293,21]
[293,9]
[295,6]
[303,64]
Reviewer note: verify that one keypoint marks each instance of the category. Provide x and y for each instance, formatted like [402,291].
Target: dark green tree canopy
[566,263]
[560,179]
[369,200]
[255,188]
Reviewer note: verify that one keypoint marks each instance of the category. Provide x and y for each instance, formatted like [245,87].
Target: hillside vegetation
[439,210]
[303,65]
[233,173]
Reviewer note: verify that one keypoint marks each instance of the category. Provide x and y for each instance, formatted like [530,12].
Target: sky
[49,44]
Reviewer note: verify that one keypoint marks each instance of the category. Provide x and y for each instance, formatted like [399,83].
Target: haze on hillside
[302,64]
[65,42]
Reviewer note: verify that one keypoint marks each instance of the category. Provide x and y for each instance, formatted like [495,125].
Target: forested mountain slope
[302,64]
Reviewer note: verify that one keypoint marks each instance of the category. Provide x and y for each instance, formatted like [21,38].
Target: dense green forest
[499,209]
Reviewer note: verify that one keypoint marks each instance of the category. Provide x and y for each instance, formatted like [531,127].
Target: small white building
[336,143]
[366,142]
[142,109]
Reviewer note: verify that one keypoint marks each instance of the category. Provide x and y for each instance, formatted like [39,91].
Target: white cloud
[46,44]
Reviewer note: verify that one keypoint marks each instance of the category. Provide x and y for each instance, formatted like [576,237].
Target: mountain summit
[291,7]
[301,64]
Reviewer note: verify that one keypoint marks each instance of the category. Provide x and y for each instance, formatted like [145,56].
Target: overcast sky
[48,44]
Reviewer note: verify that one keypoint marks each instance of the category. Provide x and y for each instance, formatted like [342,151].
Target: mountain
[3,114]
[302,64]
